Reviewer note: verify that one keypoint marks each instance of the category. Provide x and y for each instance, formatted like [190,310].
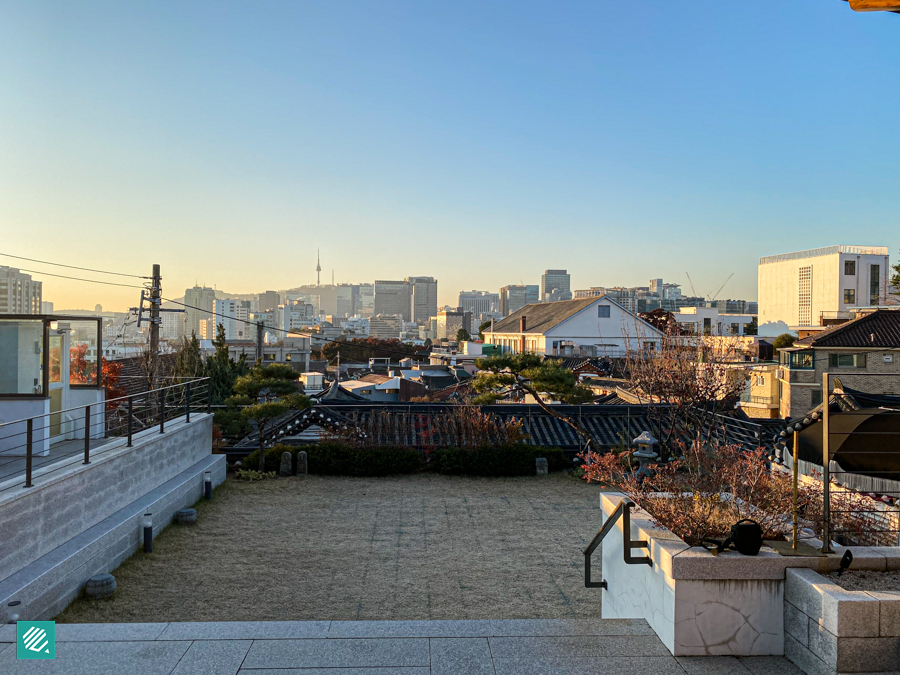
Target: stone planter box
[705,605]
[832,630]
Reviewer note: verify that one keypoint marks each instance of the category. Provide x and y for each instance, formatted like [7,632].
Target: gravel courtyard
[411,547]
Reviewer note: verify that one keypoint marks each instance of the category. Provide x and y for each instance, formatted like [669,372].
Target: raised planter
[705,605]
[832,630]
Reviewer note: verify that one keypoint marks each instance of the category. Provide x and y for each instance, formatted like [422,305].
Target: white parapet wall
[700,604]
[85,519]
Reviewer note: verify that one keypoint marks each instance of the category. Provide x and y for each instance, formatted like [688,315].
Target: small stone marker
[100,586]
[186,516]
[302,466]
[285,469]
[541,464]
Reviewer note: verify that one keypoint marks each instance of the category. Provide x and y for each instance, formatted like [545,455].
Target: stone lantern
[645,452]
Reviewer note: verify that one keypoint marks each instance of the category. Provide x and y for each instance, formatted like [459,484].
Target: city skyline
[624,142]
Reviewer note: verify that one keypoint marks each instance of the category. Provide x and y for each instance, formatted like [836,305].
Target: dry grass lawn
[411,547]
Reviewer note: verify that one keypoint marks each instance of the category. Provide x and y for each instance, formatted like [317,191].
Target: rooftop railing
[53,441]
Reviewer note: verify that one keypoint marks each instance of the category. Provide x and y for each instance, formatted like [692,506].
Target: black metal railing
[55,440]
[623,510]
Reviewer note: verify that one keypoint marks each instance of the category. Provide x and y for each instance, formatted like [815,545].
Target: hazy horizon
[476,143]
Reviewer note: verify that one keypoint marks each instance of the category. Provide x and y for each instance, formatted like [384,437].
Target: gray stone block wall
[830,630]
[68,501]
[49,584]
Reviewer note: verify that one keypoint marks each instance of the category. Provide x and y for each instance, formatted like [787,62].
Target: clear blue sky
[479,142]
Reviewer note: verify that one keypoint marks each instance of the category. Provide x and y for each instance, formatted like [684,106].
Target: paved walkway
[477,647]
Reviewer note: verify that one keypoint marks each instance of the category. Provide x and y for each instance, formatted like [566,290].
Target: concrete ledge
[847,631]
[50,583]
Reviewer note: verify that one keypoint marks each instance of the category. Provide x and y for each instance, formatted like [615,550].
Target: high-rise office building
[422,298]
[532,294]
[556,280]
[366,300]
[512,298]
[19,293]
[347,300]
[479,302]
[233,315]
[199,301]
[392,298]
[266,301]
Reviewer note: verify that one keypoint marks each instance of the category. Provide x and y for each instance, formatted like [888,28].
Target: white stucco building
[806,288]
[585,327]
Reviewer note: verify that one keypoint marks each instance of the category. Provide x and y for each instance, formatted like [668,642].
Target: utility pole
[259,341]
[155,301]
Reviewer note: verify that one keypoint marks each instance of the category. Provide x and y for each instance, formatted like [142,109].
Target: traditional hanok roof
[878,330]
[334,392]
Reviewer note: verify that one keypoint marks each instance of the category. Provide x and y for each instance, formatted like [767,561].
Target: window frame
[849,268]
[604,311]
[851,294]
[858,360]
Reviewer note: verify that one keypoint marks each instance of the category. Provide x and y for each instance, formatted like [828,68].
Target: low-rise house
[587,327]
[854,350]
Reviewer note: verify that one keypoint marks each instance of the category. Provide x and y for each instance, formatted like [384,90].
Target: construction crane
[693,290]
[716,294]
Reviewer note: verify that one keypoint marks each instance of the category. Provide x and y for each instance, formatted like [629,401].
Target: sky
[477,142]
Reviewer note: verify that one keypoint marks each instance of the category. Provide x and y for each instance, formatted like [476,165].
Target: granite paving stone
[712,665]
[100,658]
[552,647]
[461,656]
[245,630]
[615,665]
[7,633]
[338,653]
[550,627]
[387,629]
[108,632]
[213,657]
[337,671]
[770,665]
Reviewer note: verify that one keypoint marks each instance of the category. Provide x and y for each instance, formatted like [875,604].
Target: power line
[91,281]
[73,267]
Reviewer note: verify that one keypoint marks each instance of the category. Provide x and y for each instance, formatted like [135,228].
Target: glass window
[874,284]
[816,397]
[849,267]
[56,358]
[83,349]
[603,311]
[846,360]
[802,360]
[849,296]
[21,357]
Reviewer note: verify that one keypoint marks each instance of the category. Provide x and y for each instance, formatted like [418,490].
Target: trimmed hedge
[515,459]
[336,459]
[341,460]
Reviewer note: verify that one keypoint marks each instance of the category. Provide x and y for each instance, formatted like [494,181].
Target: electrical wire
[92,281]
[72,267]
[384,350]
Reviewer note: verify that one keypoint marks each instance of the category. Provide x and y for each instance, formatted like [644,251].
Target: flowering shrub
[708,489]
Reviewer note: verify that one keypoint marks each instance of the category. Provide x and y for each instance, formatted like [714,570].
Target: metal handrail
[154,413]
[105,401]
[623,510]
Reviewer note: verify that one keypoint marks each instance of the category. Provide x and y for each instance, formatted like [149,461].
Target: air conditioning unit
[779,373]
